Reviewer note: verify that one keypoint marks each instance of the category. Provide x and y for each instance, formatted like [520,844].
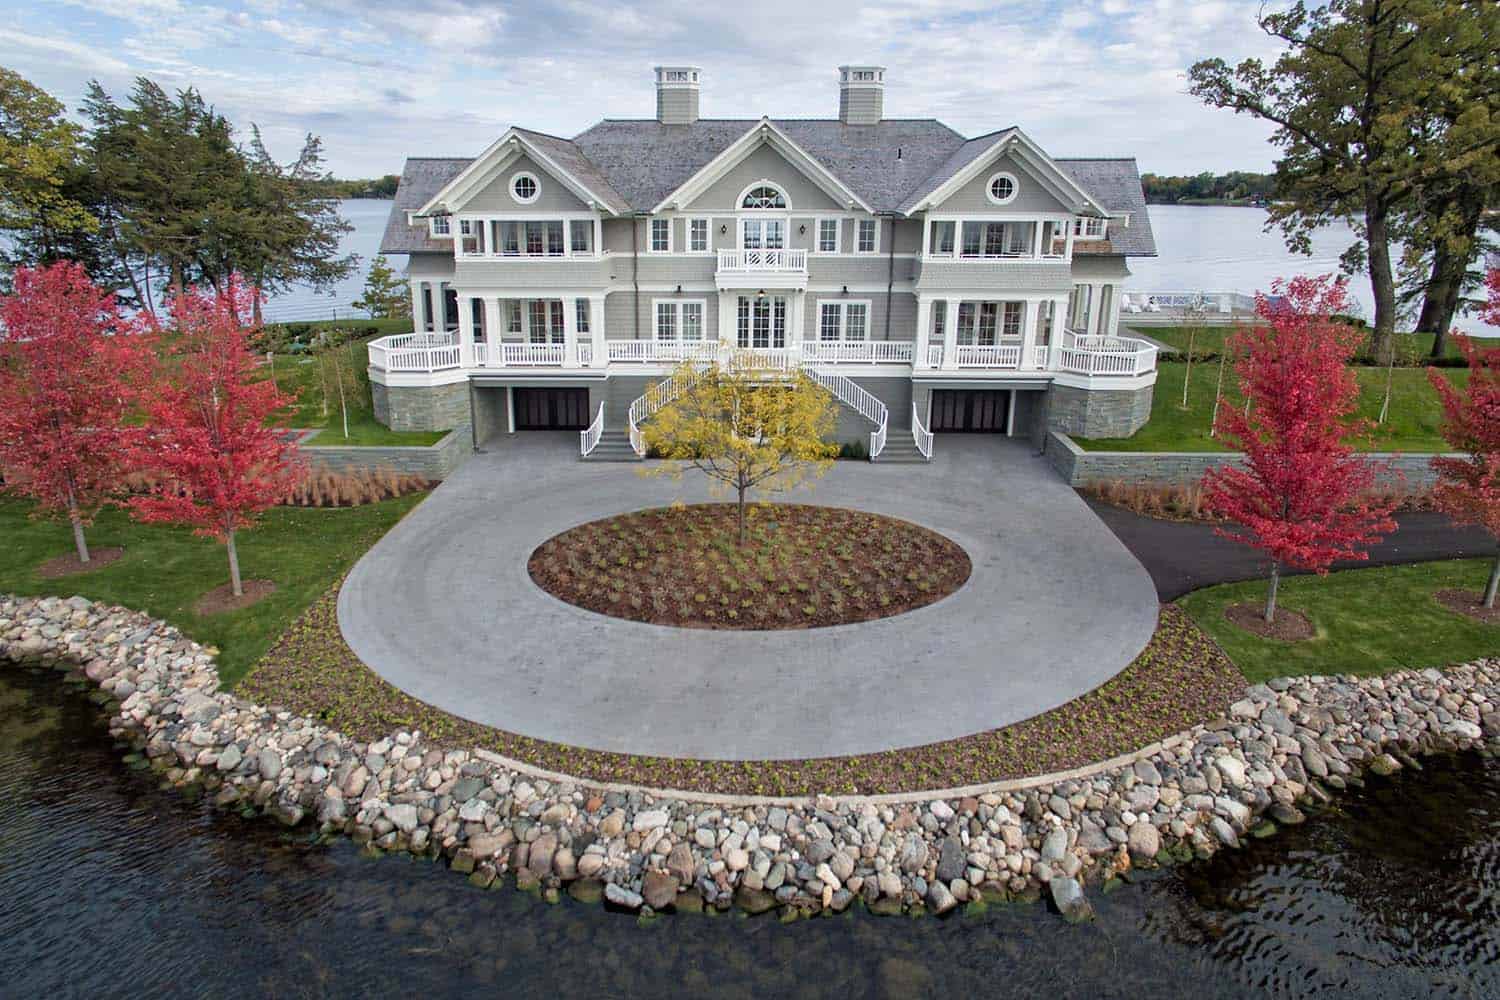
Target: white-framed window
[758,233]
[996,239]
[1010,319]
[1001,188]
[438,226]
[867,236]
[697,235]
[940,240]
[513,316]
[1090,228]
[661,236]
[844,319]
[939,319]
[470,236]
[828,236]
[546,316]
[524,187]
[761,321]
[679,319]
[581,236]
[581,315]
[764,196]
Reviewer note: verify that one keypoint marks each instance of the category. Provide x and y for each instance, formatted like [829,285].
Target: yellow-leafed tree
[746,428]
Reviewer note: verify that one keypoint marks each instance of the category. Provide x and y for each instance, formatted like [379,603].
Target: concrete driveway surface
[443,608]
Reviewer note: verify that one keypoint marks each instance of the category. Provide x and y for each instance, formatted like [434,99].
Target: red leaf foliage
[70,368]
[219,459]
[1302,497]
[1468,488]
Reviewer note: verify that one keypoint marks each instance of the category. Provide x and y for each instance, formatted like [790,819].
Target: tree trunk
[1213,420]
[76,519]
[1271,592]
[1382,282]
[741,488]
[1494,584]
[1450,263]
[1187,374]
[255,307]
[234,565]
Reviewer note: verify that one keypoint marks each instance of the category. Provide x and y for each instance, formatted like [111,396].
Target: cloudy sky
[443,77]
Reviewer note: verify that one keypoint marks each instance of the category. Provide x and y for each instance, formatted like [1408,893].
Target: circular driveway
[443,608]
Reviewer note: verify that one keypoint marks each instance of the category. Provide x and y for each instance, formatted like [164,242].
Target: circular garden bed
[800,566]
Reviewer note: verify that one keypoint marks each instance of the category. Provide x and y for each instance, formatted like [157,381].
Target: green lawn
[165,569]
[1411,349]
[1368,621]
[1411,426]
[299,374]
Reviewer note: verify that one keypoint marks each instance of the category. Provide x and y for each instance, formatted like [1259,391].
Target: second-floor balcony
[781,267]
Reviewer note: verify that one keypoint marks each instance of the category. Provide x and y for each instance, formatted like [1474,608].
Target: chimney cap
[862,76]
[678,76]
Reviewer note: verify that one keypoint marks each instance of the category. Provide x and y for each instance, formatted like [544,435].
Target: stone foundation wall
[1098,413]
[1185,468]
[424,408]
[436,461]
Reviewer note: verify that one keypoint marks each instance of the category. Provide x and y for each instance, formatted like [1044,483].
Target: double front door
[761,321]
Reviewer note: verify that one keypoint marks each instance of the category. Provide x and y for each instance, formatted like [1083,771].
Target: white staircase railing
[920,435]
[589,437]
[653,399]
[867,405]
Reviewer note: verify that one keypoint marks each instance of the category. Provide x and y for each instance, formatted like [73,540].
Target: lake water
[1201,249]
[112,887]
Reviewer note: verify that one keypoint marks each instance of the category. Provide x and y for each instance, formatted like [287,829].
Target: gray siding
[903,313]
[996,274]
[864,271]
[861,105]
[676,105]
[619,322]
[434,266]
[1099,268]
[763,163]
[520,273]
[496,196]
[1031,196]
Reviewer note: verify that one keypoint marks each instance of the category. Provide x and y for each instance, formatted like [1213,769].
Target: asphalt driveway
[443,608]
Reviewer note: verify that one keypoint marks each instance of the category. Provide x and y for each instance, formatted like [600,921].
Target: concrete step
[613,446]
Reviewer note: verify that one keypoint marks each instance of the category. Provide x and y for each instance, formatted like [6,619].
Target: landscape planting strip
[1282,744]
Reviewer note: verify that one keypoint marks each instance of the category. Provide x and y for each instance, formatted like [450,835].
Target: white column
[465,331]
[570,332]
[492,330]
[728,305]
[924,332]
[950,334]
[596,330]
[416,306]
[1036,238]
[440,308]
[1111,318]
[1059,323]
[1030,315]
[797,304]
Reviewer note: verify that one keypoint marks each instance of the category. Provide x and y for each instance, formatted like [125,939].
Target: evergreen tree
[386,295]
[41,171]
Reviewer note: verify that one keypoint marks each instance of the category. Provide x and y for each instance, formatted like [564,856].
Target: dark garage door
[552,409]
[980,411]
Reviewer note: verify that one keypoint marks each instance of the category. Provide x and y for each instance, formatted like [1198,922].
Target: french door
[762,234]
[762,321]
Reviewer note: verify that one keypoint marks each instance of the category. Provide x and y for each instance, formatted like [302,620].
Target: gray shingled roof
[1116,183]
[635,164]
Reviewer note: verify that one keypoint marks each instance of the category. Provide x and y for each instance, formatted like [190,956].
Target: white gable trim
[762,131]
[486,165]
[1018,144]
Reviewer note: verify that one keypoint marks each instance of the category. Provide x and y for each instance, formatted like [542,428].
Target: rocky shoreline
[1284,744]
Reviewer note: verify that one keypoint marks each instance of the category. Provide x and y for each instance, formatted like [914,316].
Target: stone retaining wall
[1185,468]
[1285,744]
[435,461]
[424,408]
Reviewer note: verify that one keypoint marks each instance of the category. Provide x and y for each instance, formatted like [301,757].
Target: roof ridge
[1094,159]
[545,135]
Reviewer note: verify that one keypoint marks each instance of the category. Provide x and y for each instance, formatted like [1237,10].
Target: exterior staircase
[613,446]
[900,449]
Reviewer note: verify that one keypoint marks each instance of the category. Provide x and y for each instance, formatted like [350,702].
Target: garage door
[978,411]
[552,409]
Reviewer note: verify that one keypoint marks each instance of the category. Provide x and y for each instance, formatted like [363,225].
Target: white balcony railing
[1096,355]
[988,356]
[858,351]
[415,352]
[660,351]
[532,354]
[752,259]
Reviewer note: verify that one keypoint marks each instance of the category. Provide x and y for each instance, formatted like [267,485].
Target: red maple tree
[1302,496]
[219,460]
[70,366]
[1468,485]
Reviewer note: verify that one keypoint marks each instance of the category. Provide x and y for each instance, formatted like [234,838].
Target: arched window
[763,196]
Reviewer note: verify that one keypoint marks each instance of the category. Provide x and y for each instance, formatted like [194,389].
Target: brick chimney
[677,94]
[861,94]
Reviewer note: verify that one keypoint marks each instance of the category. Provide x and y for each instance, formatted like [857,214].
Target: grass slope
[1368,621]
[1411,425]
[299,374]
[1411,348]
[164,569]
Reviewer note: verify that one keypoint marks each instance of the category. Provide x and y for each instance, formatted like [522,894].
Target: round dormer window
[1002,189]
[524,188]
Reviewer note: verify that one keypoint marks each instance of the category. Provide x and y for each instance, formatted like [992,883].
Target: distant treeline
[1235,186]
[378,187]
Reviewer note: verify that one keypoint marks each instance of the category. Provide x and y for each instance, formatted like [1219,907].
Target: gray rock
[1144,841]
[680,863]
[622,897]
[659,889]
[913,853]
[820,851]
[230,758]
[939,899]
[268,763]
[403,816]
[951,863]
[1069,899]
[1055,845]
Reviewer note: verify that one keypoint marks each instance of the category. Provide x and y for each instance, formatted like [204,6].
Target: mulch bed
[800,567]
[1287,625]
[1180,679]
[222,598]
[69,565]
[1469,603]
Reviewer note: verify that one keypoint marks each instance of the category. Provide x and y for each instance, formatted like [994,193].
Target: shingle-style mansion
[932,283]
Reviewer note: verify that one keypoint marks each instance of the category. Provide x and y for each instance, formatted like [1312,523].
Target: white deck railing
[988,355]
[532,354]
[866,404]
[858,351]
[590,436]
[762,260]
[654,351]
[653,399]
[1095,355]
[920,435]
[415,352]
